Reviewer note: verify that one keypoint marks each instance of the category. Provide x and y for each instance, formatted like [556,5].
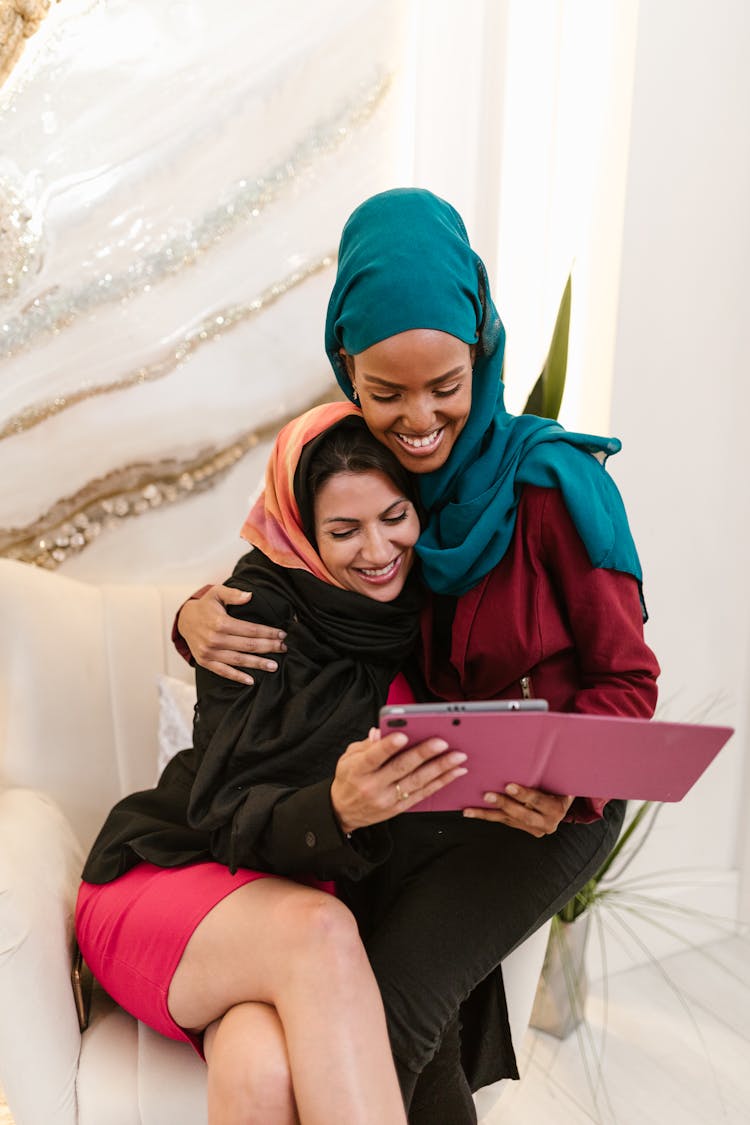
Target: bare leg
[249,1081]
[299,951]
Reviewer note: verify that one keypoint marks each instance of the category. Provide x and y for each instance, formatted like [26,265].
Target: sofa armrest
[40,863]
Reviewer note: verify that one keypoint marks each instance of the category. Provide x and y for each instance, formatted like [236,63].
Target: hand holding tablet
[583,755]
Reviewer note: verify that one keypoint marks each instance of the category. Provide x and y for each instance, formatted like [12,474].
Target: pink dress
[133,931]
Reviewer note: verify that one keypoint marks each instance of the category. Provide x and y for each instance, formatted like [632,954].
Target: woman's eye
[447,393]
[342,534]
[398,518]
[383,398]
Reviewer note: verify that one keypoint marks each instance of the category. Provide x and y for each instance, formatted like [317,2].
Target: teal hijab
[405,262]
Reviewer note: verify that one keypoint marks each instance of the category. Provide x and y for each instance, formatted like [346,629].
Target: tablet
[601,756]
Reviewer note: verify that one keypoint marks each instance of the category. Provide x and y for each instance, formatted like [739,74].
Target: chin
[420,465]
[380,593]
[384,595]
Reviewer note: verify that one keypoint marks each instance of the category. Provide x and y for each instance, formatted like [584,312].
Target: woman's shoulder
[543,511]
[534,496]
[537,502]
[267,582]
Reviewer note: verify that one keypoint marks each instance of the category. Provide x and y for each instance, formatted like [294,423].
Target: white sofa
[79,666]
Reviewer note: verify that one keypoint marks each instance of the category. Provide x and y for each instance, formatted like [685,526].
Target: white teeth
[419,443]
[379,573]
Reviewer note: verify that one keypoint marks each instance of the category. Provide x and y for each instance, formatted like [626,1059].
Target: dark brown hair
[347,447]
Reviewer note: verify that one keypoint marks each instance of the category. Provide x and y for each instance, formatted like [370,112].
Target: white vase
[561,993]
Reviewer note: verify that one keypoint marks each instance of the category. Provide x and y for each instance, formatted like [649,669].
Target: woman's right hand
[377,779]
[223,644]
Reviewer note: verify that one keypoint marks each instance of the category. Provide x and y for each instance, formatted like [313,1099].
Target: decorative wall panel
[173,182]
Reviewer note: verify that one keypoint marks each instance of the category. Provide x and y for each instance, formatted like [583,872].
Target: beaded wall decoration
[105,504]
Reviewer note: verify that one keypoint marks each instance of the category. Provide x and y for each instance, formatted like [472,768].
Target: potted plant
[561,995]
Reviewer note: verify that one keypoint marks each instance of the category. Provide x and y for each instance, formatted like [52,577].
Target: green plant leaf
[581,901]
[546,396]
[588,895]
[641,812]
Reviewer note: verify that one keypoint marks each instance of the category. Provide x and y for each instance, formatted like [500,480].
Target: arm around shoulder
[207,633]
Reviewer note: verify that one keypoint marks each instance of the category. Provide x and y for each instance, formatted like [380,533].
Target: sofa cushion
[40,863]
[78,687]
[176,706]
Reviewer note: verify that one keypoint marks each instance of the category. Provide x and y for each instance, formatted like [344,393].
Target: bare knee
[325,945]
[325,927]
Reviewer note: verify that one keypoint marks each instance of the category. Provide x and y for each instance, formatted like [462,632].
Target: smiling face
[415,392]
[366,530]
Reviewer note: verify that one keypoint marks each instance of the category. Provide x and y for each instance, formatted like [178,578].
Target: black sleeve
[267,824]
[301,834]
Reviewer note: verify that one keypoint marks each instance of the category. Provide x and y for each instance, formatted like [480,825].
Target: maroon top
[545,623]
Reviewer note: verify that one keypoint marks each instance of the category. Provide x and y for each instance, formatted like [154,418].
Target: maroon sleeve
[178,640]
[618,670]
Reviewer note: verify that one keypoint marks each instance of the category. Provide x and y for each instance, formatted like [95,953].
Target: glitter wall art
[173,182]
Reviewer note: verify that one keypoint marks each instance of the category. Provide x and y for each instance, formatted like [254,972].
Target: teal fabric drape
[405,262]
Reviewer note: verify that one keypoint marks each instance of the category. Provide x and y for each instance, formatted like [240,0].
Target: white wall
[521,120]
[681,394]
[452,128]
[566,114]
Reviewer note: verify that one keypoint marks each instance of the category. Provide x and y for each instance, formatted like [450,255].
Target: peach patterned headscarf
[274,523]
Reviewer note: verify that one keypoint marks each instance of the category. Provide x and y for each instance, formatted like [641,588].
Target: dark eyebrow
[352,519]
[431,383]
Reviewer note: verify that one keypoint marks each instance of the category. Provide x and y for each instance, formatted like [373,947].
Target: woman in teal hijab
[405,263]
[534,587]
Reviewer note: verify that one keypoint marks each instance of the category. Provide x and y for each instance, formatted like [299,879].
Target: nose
[419,414]
[376,549]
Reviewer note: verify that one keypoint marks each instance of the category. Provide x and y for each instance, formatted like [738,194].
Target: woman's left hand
[531,810]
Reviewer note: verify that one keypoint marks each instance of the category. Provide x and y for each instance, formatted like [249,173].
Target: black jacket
[254,790]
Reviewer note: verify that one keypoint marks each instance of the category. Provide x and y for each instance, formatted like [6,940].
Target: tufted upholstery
[79,666]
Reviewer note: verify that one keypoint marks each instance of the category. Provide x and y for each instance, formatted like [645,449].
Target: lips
[383,574]
[421,445]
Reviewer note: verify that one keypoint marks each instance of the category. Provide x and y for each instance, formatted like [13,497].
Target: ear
[348,363]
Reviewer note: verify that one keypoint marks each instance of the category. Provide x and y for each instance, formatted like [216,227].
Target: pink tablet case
[582,755]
